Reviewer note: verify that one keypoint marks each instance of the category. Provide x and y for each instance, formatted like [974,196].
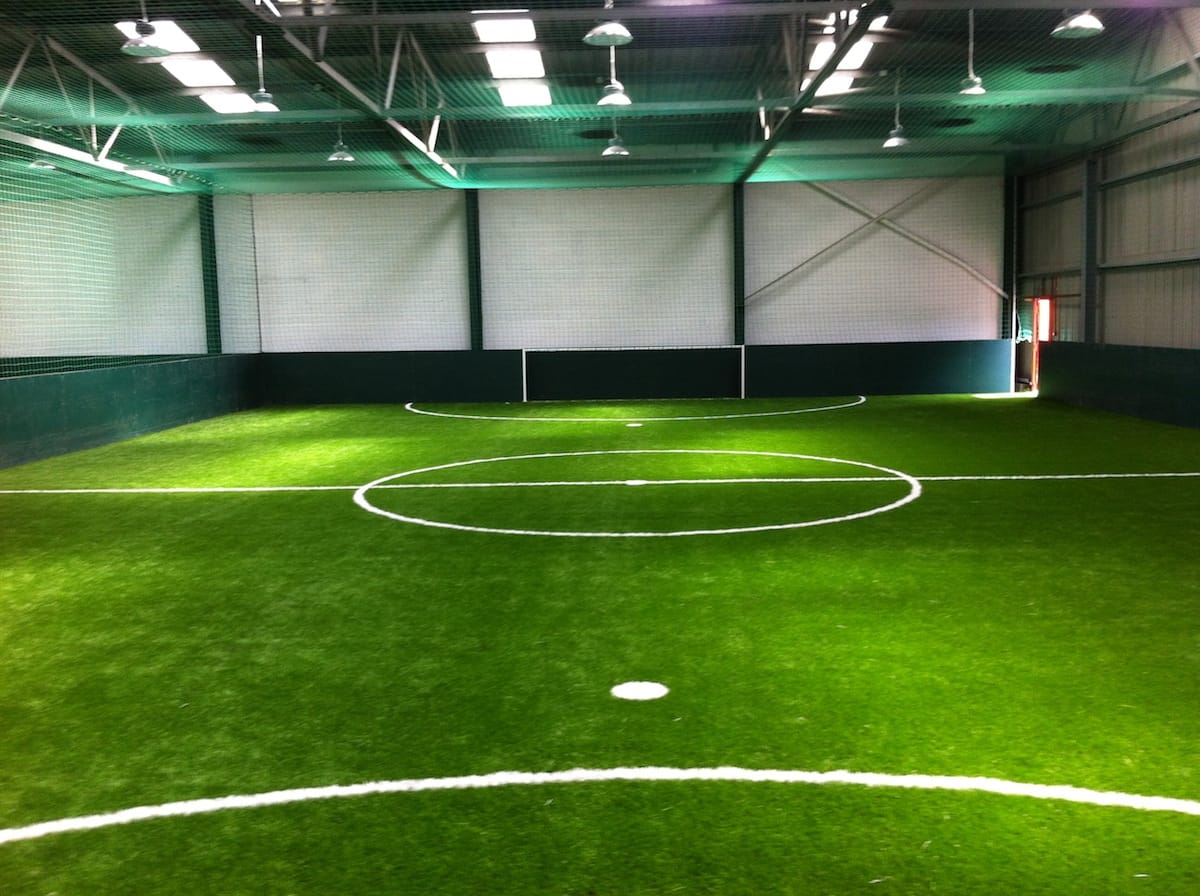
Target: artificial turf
[159,646]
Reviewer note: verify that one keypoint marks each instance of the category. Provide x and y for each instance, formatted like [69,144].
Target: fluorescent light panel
[525,93]
[229,103]
[197,72]
[515,63]
[167,35]
[504,31]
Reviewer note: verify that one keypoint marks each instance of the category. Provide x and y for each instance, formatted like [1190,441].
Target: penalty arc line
[529,418]
[733,774]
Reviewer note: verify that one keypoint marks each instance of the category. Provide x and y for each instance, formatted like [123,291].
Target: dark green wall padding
[388,377]
[879,368]
[49,414]
[1160,384]
[633,374]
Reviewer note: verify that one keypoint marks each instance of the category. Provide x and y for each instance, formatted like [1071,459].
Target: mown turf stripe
[238,489]
[997,786]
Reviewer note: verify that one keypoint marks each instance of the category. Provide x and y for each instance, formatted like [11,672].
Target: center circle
[396,481]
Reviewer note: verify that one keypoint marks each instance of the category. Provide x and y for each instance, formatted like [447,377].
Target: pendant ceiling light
[1078,26]
[609,33]
[614,91]
[972,84]
[341,152]
[263,101]
[144,43]
[896,137]
[615,148]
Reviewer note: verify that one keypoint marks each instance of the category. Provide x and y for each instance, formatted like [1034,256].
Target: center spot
[639,690]
[637,481]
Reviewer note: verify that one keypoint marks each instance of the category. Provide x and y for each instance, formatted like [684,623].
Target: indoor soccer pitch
[891,645]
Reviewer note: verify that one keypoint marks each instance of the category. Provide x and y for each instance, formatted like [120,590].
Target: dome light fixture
[144,44]
[609,33]
[615,148]
[972,85]
[341,152]
[896,138]
[263,101]
[614,95]
[1078,26]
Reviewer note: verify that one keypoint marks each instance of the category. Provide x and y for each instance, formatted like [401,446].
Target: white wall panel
[101,277]
[819,270]
[607,268]
[159,275]
[237,277]
[362,271]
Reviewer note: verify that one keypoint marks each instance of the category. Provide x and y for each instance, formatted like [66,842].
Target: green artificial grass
[157,647]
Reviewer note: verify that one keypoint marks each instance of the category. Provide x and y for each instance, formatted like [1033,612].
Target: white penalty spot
[640,690]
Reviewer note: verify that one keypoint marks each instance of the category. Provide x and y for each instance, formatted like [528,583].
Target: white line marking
[997,786]
[1034,477]
[556,483]
[251,489]
[361,499]
[180,490]
[859,399]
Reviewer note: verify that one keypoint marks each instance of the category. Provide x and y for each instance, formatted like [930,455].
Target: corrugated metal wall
[1137,200]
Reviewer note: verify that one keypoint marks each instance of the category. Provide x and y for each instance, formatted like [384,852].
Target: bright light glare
[524,93]
[1045,311]
[821,54]
[853,60]
[150,176]
[229,103]
[515,63]
[504,31]
[167,35]
[197,72]
[832,84]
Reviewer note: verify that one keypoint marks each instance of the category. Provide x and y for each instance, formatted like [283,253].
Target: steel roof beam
[294,19]
[851,36]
